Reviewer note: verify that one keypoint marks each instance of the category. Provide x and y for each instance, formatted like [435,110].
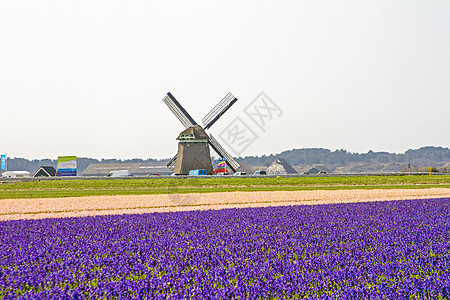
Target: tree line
[310,156]
[296,157]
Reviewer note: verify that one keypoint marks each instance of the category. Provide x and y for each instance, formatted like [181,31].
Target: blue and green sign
[67,166]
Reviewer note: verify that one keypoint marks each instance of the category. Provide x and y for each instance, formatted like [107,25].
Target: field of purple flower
[395,249]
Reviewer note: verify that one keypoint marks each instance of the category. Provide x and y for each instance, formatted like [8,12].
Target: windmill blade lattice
[231,162]
[179,111]
[218,110]
[172,162]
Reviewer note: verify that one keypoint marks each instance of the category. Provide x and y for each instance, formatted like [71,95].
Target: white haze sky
[86,78]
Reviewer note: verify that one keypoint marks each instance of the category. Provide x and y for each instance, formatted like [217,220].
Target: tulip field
[371,250]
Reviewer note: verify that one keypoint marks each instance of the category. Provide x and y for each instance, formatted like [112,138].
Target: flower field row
[394,249]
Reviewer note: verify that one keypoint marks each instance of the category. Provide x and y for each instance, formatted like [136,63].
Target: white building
[15,174]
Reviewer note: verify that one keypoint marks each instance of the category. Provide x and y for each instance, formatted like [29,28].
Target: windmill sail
[231,162]
[218,110]
[172,162]
[179,111]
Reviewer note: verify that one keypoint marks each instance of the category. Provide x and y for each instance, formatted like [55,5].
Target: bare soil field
[15,209]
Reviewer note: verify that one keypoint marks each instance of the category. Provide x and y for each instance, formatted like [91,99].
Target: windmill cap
[193,133]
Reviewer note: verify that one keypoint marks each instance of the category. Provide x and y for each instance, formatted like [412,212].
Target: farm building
[136,169]
[147,168]
[104,169]
[314,171]
[45,171]
[280,167]
[15,174]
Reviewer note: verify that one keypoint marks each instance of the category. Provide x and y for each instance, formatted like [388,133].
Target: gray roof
[104,169]
[45,171]
[314,170]
[155,167]
[137,169]
[280,167]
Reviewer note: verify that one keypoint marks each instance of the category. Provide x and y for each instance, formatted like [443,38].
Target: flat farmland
[74,198]
[107,187]
[247,238]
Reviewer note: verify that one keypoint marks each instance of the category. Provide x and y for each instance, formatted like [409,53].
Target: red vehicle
[217,171]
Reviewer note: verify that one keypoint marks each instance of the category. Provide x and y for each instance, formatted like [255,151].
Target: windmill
[193,146]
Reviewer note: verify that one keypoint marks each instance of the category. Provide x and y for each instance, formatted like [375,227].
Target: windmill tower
[193,146]
[193,151]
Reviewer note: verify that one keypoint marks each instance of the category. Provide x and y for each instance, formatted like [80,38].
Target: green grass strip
[230,181]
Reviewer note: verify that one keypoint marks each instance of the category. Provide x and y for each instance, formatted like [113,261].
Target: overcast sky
[87,78]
